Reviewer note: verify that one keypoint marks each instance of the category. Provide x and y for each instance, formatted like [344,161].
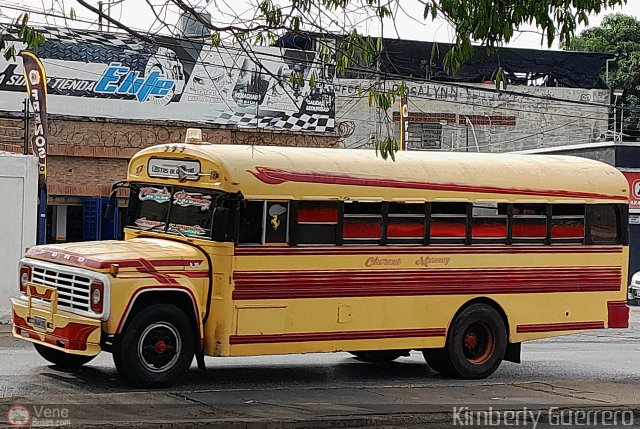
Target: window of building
[567,222]
[448,221]
[603,224]
[406,223]
[362,223]
[529,222]
[488,222]
[317,222]
[424,135]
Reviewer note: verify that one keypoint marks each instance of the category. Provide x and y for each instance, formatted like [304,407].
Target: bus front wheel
[476,344]
[156,348]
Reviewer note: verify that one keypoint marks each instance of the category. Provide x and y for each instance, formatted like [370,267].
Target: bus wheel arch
[476,343]
[148,296]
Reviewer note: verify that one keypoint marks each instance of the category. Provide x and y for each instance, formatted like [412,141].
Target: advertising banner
[36,78]
[114,75]
[36,85]
[634,190]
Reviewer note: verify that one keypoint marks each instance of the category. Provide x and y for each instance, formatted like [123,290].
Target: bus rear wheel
[477,342]
[156,348]
[62,359]
[379,356]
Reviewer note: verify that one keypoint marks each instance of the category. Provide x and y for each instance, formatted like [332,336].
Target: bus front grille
[73,289]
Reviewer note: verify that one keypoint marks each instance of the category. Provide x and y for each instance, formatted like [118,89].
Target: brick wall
[85,157]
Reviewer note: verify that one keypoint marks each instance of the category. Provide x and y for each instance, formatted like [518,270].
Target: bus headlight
[96,294]
[25,277]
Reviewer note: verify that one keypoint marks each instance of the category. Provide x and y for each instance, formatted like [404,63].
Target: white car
[633,295]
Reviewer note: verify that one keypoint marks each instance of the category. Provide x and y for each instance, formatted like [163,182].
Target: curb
[433,420]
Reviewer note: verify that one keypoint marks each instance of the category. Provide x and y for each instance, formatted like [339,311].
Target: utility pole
[26,126]
[100,16]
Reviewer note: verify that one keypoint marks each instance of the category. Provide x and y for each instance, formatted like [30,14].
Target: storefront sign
[634,190]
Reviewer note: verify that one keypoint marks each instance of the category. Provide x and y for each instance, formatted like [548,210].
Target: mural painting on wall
[114,75]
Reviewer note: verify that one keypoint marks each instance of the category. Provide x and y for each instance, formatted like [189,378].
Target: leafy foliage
[618,34]
[32,38]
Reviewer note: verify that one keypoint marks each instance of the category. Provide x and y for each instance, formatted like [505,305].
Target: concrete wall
[473,119]
[19,194]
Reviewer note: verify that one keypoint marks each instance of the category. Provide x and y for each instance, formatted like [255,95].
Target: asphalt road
[585,371]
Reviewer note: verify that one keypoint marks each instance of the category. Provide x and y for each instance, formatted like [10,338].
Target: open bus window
[603,224]
[529,222]
[317,222]
[251,222]
[489,221]
[362,223]
[406,223]
[567,222]
[448,221]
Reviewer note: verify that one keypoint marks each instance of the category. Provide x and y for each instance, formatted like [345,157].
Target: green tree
[620,35]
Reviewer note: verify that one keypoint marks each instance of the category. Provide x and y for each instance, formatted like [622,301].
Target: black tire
[438,360]
[156,347]
[476,342]
[379,356]
[62,359]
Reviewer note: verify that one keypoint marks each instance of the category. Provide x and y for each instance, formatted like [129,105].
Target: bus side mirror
[220,223]
[113,203]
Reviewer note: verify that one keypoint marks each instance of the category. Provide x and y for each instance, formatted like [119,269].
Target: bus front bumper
[60,330]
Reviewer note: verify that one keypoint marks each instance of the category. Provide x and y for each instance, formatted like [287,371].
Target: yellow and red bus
[246,250]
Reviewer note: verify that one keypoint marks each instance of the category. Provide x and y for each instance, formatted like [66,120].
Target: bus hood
[148,254]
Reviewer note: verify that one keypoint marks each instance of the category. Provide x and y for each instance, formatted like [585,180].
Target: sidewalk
[389,406]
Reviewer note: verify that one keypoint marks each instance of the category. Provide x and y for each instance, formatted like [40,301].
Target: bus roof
[314,173]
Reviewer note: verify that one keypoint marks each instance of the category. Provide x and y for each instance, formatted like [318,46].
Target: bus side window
[362,223]
[251,222]
[489,223]
[567,223]
[529,223]
[276,228]
[317,222]
[448,222]
[406,223]
[603,224]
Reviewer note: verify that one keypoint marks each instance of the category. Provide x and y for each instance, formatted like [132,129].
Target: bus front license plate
[40,322]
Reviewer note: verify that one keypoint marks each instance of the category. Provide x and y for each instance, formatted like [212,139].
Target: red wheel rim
[478,343]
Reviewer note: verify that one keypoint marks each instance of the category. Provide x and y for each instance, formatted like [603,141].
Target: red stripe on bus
[414,250]
[360,283]
[276,176]
[552,327]
[336,336]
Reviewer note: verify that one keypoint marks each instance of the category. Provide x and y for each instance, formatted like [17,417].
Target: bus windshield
[172,209]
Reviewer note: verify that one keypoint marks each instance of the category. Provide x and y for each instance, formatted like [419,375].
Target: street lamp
[617,93]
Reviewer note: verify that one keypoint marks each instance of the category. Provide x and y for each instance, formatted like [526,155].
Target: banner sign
[114,75]
[36,82]
[634,190]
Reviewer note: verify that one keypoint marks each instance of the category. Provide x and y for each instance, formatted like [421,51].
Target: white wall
[18,220]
